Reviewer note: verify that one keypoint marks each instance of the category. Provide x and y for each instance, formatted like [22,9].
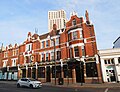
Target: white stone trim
[79,44]
[73,30]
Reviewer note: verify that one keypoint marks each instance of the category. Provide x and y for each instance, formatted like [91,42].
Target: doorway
[23,73]
[79,68]
[48,72]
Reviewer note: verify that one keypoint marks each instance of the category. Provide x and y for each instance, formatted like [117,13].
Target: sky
[18,17]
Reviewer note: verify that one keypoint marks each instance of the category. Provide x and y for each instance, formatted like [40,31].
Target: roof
[35,36]
[116,40]
[43,36]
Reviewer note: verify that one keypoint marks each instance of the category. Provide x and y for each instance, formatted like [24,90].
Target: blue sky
[18,17]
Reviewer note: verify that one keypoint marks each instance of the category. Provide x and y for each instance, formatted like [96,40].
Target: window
[52,55]
[41,71]
[81,35]
[58,41]
[108,61]
[75,35]
[83,51]
[76,51]
[70,53]
[42,44]
[112,61]
[15,52]
[105,61]
[67,72]
[5,54]
[119,60]
[13,62]
[47,43]
[91,69]
[74,22]
[58,71]
[28,47]
[42,56]
[47,55]
[4,63]
[64,23]
[52,43]
[58,55]
[69,37]
[29,72]
[53,71]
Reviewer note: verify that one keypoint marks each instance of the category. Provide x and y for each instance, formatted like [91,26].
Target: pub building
[69,54]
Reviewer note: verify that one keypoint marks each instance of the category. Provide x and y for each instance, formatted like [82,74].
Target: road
[11,87]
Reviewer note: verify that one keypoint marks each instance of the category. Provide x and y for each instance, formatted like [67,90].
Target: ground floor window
[42,72]
[91,69]
[38,72]
[67,71]
[0,75]
[29,72]
[53,71]
[58,71]
[23,73]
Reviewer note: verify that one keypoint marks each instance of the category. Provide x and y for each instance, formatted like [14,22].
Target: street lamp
[53,33]
[54,57]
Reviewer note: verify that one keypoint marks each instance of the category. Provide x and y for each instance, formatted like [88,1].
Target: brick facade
[75,52]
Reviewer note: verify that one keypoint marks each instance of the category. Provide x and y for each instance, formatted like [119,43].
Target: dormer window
[5,54]
[74,22]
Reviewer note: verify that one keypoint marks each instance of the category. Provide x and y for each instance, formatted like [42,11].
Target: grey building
[116,43]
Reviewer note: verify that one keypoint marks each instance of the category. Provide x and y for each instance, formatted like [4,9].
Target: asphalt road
[11,87]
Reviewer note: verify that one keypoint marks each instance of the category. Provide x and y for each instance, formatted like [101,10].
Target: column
[45,74]
[103,68]
[26,71]
[117,72]
[51,72]
[62,73]
[74,75]
[19,72]
[36,70]
[98,69]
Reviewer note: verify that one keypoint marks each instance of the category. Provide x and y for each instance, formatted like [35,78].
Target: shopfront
[13,73]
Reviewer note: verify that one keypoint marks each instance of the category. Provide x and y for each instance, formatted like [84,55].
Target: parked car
[29,82]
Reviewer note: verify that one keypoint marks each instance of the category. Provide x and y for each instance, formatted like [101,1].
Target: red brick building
[75,55]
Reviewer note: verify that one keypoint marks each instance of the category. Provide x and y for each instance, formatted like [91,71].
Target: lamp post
[53,33]
[54,57]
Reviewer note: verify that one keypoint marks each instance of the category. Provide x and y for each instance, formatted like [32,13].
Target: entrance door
[48,78]
[111,75]
[79,73]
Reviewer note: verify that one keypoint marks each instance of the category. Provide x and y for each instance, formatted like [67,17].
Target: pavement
[84,85]
[76,85]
